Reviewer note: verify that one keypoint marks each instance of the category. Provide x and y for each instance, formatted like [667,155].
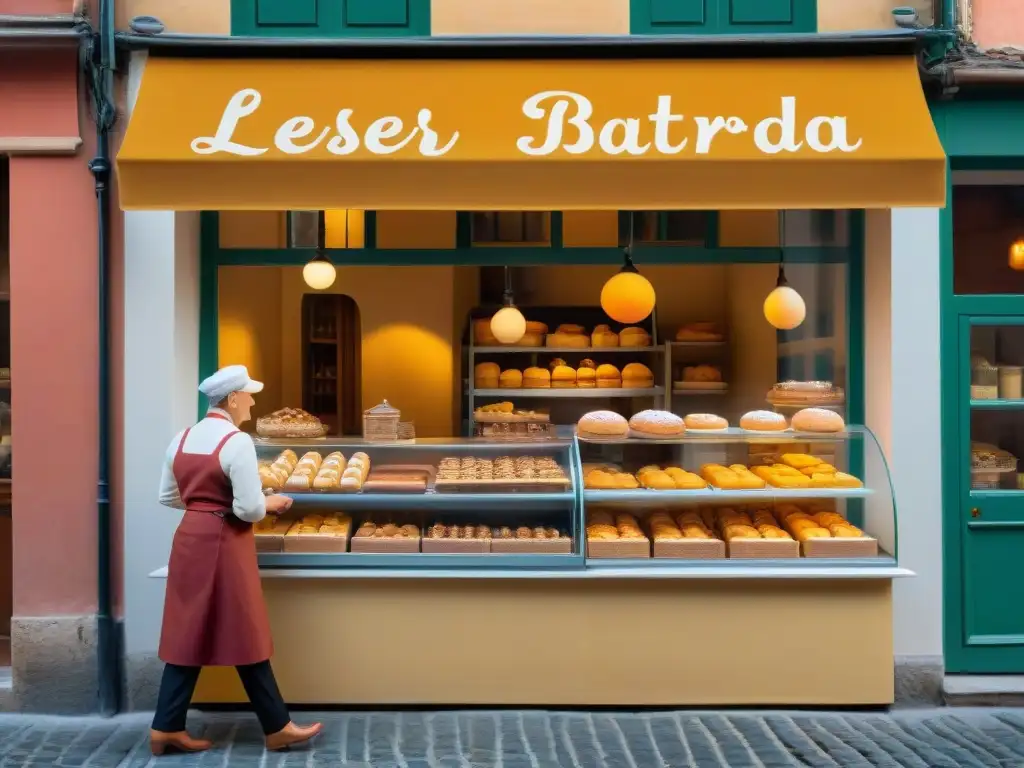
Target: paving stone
[971,738]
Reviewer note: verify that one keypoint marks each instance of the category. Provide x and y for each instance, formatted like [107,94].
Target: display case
[723,499]
[451,503]
[739,497]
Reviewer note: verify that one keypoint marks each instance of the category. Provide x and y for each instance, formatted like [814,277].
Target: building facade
[163,302]
[49,365]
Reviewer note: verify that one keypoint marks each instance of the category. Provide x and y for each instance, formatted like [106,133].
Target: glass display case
[739,498]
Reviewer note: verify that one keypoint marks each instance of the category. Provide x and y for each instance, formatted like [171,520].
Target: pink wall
[38,7]
[53,349]
[998,23]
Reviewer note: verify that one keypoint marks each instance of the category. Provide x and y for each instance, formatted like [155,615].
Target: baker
[214,613]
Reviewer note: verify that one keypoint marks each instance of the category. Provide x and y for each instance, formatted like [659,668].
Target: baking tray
[621,548]
[377,482]
[456,546]
[562,546]
[385,546]
[763,549]
[501,486]
[861,547]
[689,549]
[315,542]
[269,542]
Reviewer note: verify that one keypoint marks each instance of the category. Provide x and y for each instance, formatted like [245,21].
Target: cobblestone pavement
[968,738]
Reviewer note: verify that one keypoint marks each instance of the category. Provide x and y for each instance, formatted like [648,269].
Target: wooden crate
[382,545]
[315,542]
[763,549]
[561,546]
[689,549]
[457,546]
[619,548]
[841,548]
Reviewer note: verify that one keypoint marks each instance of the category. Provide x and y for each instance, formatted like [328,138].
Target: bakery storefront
[564,359]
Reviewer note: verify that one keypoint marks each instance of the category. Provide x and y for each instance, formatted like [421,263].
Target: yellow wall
[211,17]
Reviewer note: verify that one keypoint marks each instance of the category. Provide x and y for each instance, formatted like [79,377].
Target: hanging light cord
[507,295]
[781,280]
[627,252]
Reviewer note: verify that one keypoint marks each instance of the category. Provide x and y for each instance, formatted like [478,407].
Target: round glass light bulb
[1017,254]
[319,274]
[627,297]
[784,308]
[508,325]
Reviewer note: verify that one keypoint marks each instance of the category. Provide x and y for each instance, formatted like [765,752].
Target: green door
[991,482]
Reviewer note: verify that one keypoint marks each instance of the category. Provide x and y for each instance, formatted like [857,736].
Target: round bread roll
[485,375]
[818,420]
[569,328]
[602,424]
[555,363]
[586,362]
[536,378]
[608,376]
[529,340]
[510,379]
[634,337]
[763,421]
[586,378]
[482,334]
[563,377]
[637,375]
[705,421]
[540,329]
[656,424]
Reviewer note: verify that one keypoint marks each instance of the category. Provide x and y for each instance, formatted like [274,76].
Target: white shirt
[237,459]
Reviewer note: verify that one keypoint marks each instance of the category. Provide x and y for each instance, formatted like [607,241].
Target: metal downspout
[100,67]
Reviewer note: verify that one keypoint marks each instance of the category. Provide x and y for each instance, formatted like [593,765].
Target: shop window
[331,370]
[510,227]
[666,227]
[330,18]
[988,239]
[690,17]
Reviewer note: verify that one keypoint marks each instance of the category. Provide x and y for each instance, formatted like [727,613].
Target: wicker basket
[381,422]
[406,430]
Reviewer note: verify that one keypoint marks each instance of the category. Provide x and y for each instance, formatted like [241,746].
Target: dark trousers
[179,683]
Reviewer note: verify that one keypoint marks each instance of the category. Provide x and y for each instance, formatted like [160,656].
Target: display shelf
[419,561]
[616,570]
[698,392]
[998,405]
[735,435]
[572,393]
[883,560]
[587,351]
[696,344]
[644,497]
[435,502]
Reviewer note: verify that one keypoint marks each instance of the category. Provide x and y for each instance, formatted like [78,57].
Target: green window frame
[330,18]
[722,17]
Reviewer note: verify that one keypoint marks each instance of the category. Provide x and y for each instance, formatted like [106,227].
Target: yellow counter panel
[555,642]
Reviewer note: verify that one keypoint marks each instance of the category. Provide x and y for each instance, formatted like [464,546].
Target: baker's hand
[277,504]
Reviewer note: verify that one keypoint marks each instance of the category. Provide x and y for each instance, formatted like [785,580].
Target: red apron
[214,613]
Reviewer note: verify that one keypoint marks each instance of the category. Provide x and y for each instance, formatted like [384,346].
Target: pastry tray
[501,486]
[385,545]
[315,542]
[864,546]
[619,548]
[269,542]
[456,546]
[763,549]
[511,418]
[378,482]
[689,549]
[561,546]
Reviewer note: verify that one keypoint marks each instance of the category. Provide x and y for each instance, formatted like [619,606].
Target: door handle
[975,512]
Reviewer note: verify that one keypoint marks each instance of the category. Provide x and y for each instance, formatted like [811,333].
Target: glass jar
[984,381]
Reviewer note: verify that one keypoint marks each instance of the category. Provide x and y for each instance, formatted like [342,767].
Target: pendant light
[319,273]
[784,308]
[508,324]
[628,297]
[1017,254]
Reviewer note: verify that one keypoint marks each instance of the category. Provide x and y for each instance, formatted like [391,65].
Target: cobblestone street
[949,738]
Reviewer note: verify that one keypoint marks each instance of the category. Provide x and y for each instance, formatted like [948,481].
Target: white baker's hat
[233,378]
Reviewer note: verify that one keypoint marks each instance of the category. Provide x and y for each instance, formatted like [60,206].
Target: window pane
[303,228]
[987,222]
[997,421]
[675,227]
[490,227]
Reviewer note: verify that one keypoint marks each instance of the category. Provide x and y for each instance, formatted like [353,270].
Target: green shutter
[709,17]
[330,18]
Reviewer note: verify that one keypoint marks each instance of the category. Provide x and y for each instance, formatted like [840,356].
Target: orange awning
[531,135]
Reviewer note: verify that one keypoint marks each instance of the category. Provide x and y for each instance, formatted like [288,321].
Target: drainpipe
[100,70]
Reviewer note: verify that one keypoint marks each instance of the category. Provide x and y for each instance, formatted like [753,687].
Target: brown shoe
[161,742]
[291,735]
